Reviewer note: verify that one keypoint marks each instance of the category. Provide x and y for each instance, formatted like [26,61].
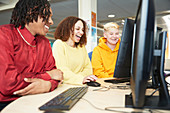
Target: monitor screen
[123,63]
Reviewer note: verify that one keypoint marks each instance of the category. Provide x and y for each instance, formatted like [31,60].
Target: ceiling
[121,8]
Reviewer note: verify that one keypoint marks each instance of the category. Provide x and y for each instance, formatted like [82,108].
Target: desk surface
[100,99]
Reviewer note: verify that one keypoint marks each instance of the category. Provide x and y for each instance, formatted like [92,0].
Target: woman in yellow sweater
[70,53]
[105,54]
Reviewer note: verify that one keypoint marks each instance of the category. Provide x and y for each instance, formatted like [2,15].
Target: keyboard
[118,80]
[66,100]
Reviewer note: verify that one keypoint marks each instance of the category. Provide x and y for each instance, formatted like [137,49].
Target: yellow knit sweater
[74,62]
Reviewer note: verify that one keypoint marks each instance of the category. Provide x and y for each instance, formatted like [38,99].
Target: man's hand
[56,74]
[37,86]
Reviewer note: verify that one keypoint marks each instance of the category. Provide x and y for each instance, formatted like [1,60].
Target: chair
[90,55]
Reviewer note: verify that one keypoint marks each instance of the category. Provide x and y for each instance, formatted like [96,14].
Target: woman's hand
[89,78]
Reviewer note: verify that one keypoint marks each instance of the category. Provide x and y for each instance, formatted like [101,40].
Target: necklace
[24,39]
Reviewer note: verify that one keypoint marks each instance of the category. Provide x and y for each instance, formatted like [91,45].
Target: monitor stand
[151,102]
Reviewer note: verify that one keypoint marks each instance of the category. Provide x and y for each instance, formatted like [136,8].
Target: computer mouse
[93,84]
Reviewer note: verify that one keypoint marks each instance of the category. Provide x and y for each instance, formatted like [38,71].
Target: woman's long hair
[66,28]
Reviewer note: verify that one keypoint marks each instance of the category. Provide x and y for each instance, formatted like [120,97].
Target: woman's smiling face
[77,32]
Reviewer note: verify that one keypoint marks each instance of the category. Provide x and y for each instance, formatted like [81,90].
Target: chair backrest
[90,55]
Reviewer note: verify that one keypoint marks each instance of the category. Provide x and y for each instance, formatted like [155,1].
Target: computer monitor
[158,74]
[123,63]
[156,38]
[143,51]
[142,61]
[157,44]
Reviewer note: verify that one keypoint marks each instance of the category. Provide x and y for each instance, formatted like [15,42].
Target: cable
[111,109]
[93,105]
[123,87]
[103,88]
[105,109]
[143,110]
[154,92]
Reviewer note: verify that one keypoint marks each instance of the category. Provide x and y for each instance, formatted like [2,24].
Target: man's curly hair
[26,11]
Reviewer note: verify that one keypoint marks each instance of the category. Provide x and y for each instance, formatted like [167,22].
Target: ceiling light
[111,16]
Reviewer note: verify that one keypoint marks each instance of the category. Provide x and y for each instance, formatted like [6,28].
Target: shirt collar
[27,36]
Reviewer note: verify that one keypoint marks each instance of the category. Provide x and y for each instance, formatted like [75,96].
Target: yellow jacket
[104,59]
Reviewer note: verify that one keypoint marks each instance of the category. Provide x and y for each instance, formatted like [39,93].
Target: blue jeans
[4,104]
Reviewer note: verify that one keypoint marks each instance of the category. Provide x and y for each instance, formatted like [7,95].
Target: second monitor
[122,68]
[123,65]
